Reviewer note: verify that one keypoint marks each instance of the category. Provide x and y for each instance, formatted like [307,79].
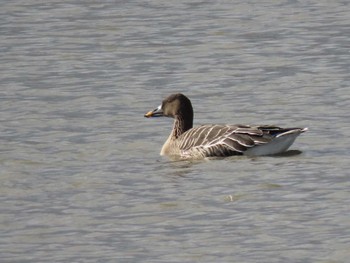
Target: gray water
[81,176]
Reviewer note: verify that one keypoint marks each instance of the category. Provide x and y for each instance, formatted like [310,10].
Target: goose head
[174,106]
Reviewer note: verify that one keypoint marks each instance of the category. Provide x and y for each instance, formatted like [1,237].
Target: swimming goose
[218,140]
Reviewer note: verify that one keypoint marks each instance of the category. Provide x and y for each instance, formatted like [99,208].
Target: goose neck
[181,125]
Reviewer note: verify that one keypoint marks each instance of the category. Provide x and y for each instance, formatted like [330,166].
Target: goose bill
[158,112]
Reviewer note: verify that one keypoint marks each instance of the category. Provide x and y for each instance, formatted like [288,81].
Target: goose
[215,140]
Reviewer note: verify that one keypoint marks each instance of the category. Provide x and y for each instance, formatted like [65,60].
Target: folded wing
[223,140]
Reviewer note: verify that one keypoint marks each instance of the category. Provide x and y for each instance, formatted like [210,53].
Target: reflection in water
[178,167]
[289,153]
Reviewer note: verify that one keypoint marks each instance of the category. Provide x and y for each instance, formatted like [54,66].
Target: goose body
[212,140]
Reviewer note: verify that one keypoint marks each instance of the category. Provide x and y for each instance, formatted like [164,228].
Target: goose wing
[224,140]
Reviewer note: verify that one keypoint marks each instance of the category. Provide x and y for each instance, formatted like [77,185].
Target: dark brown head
[175,106]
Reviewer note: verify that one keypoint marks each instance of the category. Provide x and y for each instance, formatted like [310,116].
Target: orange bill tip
[149,114]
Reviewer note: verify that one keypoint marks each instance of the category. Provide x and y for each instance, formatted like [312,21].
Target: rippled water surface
[81,176]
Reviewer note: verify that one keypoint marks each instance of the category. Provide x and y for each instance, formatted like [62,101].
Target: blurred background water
[81,176]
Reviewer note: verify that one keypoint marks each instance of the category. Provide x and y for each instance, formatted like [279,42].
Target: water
[81,175]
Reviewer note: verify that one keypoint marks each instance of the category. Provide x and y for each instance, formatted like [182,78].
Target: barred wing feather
[223,140]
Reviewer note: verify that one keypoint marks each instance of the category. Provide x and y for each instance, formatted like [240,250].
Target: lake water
[81,176]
